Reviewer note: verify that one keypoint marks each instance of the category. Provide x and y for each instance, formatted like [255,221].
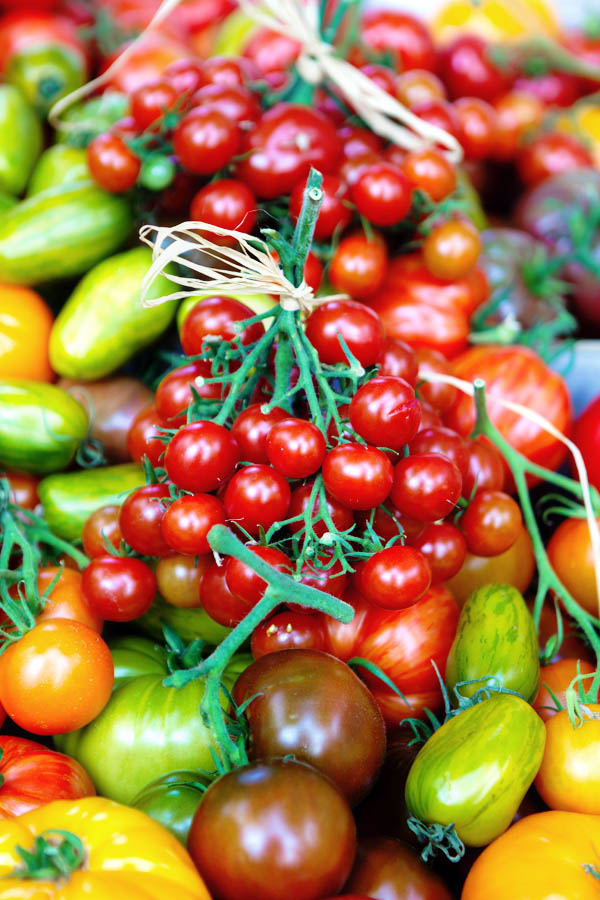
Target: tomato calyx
[56,853]
[437,837]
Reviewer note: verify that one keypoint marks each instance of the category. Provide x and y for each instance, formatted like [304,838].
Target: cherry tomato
[232,71]
[586,435]
[340,516]
[251,429]
[551,154]
[491,523]
[330,578]
[201,456]
[551,88]
[271,51]
[256,497]
[141,517]
[554,681]
[144,437]
[426,486]
[354,166]
[112,164]
[441,396]
[102,525]
[515,566]
[359,326]
[444,441]
[382,194]
[357,141]
[417,85]
[280,150]
[66,600]
[287,630]
[380,75]
[358,477]
[485,470]
[468,71]
[296,448]
[572,558]
[118,589]
[444,548]
[227,203]
[358,265]
[151,101]
[440,113]
[217,600]
[56,678]
[205,141]
[243,581]
[430,171]
[186,75]
[451,250]
[26,325]
[517,112]
[307,833]
[174,392]
[146,62]
[385,409]
[477,122]
[178,578]
[395,578]
[398,360]
[22,489]
[215,318]
[400,34]
[313,706]
[187,522]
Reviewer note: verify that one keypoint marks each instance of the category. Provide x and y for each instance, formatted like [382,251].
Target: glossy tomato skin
[468,71]
[506,744]
[586,434]
[313,706]
[360,327]
[359,265]
[216,317]
[545,855]
[286,831]
[387,869]
[141,517]
[201,456]
[102,525]
[517,374]
[385,409]
[426,486]
[444,548]
[395,577]
[33,775]
[358,477]
[572,558]
[256,497]
[251,429]
[118,589]
[401,34]
[287,630]
[66,600]
[568,776]
[515,566]
[554,681]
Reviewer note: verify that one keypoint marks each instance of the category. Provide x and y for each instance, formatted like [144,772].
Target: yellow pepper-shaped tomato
[495,20]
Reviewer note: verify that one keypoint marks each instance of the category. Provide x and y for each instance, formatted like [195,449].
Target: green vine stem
[520,467]
[27,542]
[280,589]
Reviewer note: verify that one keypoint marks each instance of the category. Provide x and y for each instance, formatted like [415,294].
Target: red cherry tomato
[551,154]
[187,522]
[400,34]
[256,497]
[112,164]
[205,141]
[237,104]
[287,630]
[152,101]
[587,437]
[468,71]
[218,601]
[102,525]
[491,523]
[485,470]
[359,326]
[431,172]
[144,437]
[398,360]
[296,448]
[444,548]
[394,578]
[174,393]
[227,203]
[426,486]
[251,429]
[340,516]
[382,194]
[386,410]
[141,517]
[201,456]
[477,123]
[214,318]
[358,266]
[359,477]
[244,582]
[437,439]
[118,589]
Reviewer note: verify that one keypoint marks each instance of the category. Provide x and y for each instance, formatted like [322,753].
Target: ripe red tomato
[468,70]
[205,141]
[517,112]
[187,522]
[552,154]
[296,448]
[444,548]
[551,88]
[141,517]
[32,775]
[398,361]
[451,250]
[118,588]
[151,101]
[416,85]
[426,486]
[491,523]
[394,578]
[437,439]
[586,435]
[358,265]
[431,172]
[244,582]
[517,374]
[256,497]
[239,105]
[217,600]
[382,194]
[201,456]
[386,868]
[174,392]
[103,524]
[270,51]
[227,203]
[251,429]
[400,34]
[216,318]
[477,124]
[386,410]
[360,327]
[287,630]
[280,150]
[144,437]
[339,515]
[147,62]
[485,470]
[358,477]
[112,164]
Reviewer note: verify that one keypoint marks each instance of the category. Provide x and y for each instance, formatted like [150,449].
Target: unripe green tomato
[157,172]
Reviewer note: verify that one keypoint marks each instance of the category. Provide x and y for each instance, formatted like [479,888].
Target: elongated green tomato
[69,499]
[7,201]
[145,731]
[45,73]
[56,166]
[103,323]
[41,426]
[475,770]
[495,637]
[92,117]
[172,800]
[61,233]
[20,140]
[188,623]
[258,302]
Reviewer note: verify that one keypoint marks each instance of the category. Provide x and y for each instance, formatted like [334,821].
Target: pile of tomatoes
[291,605]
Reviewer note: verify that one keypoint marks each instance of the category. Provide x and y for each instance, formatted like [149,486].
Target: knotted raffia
[317,64]
[248,267]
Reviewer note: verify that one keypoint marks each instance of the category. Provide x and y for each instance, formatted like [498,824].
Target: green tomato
[58,165]
[45,73]
[157,172]
[475,770]
[188,623]
[172,800]
[21,140]
[135,656]
[496,637]
[92,117]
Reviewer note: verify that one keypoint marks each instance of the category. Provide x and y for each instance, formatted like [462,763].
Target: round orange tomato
[571,556]
[515,566]
[25,324]
[66,599]
[543,856]
[569,777]
[23,487]
[556,678]
[56,678]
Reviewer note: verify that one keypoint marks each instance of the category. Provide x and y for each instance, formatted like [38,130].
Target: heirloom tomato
[172,800]
[515,566]
[386,869]
[568,777]
[572,558]
[554,681]
[586,434]
[26,325]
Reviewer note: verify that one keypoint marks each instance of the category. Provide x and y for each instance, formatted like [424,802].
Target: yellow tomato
[126,854]
[515,566]
[583,120]
[569,777]
[25,324]
[495,20]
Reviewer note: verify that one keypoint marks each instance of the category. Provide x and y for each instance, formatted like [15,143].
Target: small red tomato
[112,164]
[141,517]
[201,456]
[251,430]
[385,411]
[395,578]
[118,588]
[491,523]
[334,517]
[398,360]
[451,250]
[444,548]
[551,154]
[468,71]
[174,393]
[151,101]
[205,141]
[359,477]
[187,522]
[426,486]
[217,318]
[430,171]
[358,325]
[227,203]
[438,439]
[382,194]
[296,448]
[218,601]
[144,437]
[102,525]
[288,630]
[256,497]
[477,122]
[358,266]
[244,582]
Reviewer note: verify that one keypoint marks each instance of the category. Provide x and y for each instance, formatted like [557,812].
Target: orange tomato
[25,325]
[56,678]
[569,777]
[541,857]
[66,599]
[556,678]
[23,488]
[571,556]
[515,566]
